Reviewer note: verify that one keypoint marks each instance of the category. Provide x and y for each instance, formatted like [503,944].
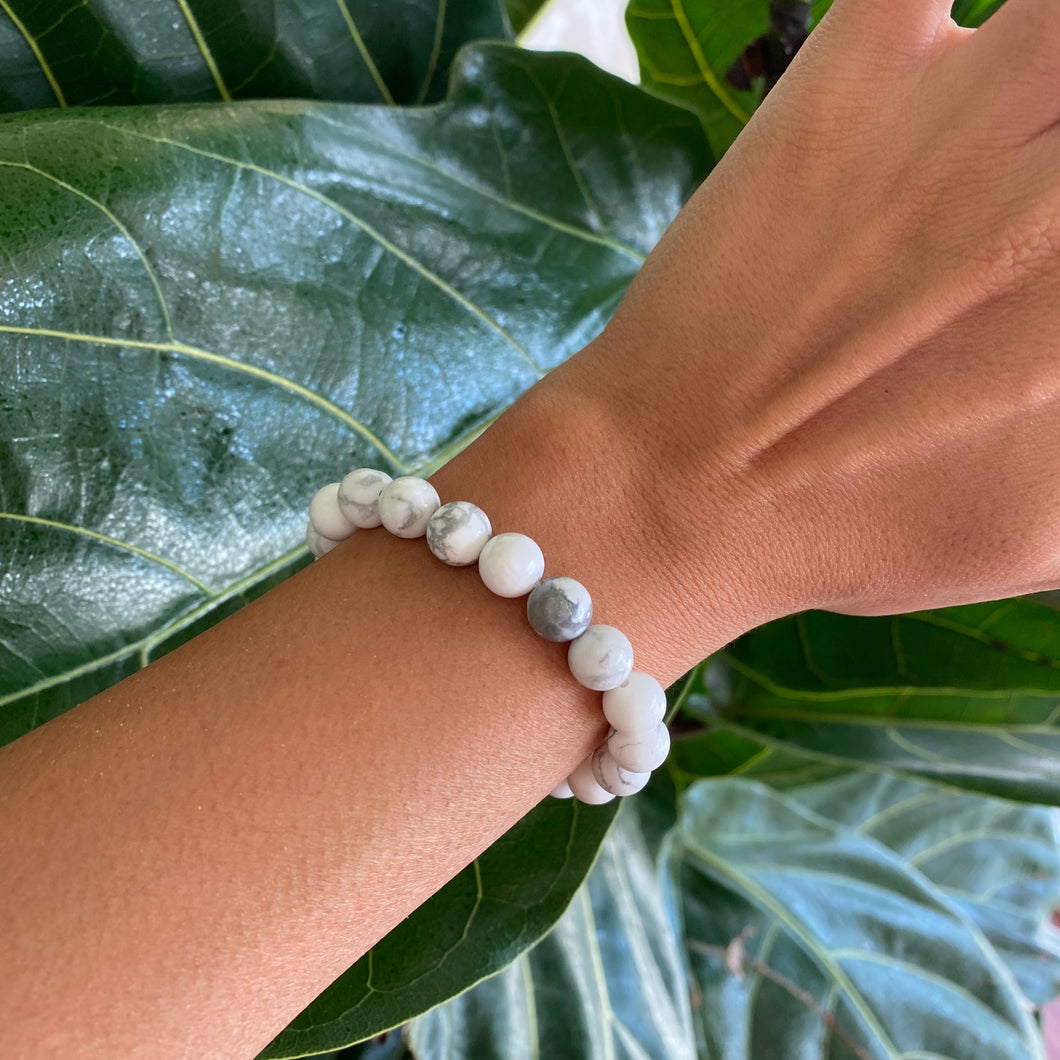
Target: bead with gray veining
[406,504]
[601,658]
[318,545]
[560,609]
[359,496]
[511,564]
[561,791]
[637,705]
[326,516]
[457,531]
[585,787]
[641,754]
[613,778]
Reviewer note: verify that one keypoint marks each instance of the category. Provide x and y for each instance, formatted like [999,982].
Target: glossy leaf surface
[207,312]
[53,53]
[969,696]
[608,981]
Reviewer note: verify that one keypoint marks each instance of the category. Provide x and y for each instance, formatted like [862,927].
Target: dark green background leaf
[969,696]
[206,312]
[473,927]
[608,981]
[168,51]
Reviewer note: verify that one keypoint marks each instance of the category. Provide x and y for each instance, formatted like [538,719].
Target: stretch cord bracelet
[560,609]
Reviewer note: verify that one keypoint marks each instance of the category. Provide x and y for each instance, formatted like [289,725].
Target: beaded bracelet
[560,609]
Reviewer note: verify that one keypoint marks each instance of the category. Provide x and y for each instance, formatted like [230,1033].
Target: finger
[909,28]
[1015,58]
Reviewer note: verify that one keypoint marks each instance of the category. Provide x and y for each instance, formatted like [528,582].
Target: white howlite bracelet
[559,608]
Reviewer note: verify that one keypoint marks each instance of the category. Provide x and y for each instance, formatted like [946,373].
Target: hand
[845,353]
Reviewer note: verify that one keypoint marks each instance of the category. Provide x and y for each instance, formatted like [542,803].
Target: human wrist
[563,467]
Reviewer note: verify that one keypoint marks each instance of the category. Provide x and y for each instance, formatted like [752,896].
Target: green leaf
[522,12]
[968,696]
[998,861]
[478,923]
[685,48]
[902,869]
[167,51]
[608,980]
[209,311]
[974,12]
[808,938]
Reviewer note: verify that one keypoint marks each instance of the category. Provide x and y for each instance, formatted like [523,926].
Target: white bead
[561,791]
[584,786]
[457,531]
[326,516]
[319,546]
[406,504]
[359,496]
[637,706]
[640,754]
[613,778]
[511,564]
[601,658]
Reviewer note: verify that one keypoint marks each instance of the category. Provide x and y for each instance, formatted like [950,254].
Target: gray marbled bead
[457,531]
[560,609]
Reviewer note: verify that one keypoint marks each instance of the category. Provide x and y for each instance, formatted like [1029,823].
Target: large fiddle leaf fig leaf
[53,53]
[207,311]
[998,861]
[807,937]
[607,982]
[969,696]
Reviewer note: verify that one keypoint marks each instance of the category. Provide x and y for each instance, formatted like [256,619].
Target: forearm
[190,857]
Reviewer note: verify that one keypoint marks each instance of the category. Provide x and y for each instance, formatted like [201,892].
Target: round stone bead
[405,505]
[612,777]
[601,658]
[319,546]
[637,706]
[560,609]
[359,496]
[326,516]
[457,531]
[640,754]
[585,787]
[561,791]
[511,564]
